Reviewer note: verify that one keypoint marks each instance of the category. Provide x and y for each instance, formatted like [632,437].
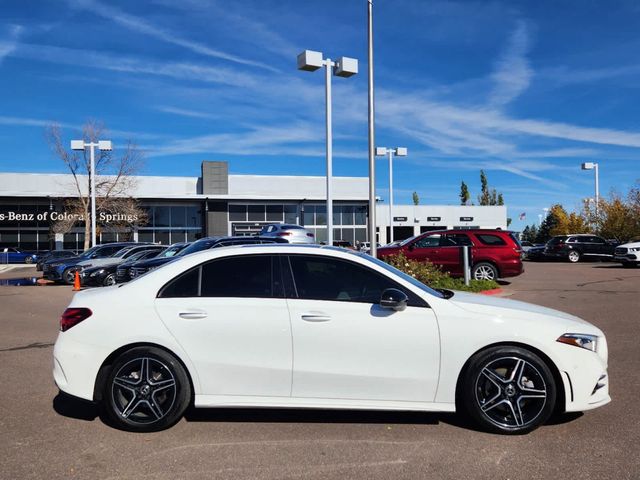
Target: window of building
[256,213]
[274,213]
[238,213]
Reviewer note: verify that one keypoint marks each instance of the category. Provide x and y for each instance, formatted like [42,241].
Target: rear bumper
[511,268]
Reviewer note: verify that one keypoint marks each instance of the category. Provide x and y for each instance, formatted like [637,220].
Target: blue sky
[525,90]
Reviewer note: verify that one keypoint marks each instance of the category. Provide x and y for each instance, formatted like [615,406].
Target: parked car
[494,253]
[214,329]
[343,244]
[140,268]
[54,254]
[105,275]
[64,270]
[628,254]
[121,255]
[291,233]
[535,253]
[123,271]
[15,255]
[365,247]
[579,247]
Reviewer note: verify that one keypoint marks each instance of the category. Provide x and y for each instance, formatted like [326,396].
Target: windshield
[408,240]
[170,252]
[403,275]
[197,246]
[90,252]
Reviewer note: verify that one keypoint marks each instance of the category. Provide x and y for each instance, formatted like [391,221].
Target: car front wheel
[574,256]
[508,390]
[484,271]
[147,390]
[69,276]
[109,280]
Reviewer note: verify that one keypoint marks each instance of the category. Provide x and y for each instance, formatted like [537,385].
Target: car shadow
[73,407]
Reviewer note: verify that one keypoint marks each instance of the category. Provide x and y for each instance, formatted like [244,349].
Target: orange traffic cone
[76,282]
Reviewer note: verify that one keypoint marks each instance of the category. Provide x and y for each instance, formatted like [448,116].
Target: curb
[495,291]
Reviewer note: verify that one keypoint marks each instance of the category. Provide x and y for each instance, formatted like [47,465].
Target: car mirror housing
[394,299]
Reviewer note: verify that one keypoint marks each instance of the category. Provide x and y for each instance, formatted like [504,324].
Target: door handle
[315,317]
[192,315]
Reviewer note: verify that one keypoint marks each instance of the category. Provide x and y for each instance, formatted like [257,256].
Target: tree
[617,219]
[556,223]
[416,198]
[488,196]
[509,220]
[114,183]
[529,233]
[464,194]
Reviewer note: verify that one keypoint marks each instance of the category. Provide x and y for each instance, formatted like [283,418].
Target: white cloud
[144,27]
[512,74]
[121,63]
[9,44]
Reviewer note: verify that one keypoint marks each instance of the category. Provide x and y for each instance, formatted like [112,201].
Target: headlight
[97,272]
[588,342]
[634,249]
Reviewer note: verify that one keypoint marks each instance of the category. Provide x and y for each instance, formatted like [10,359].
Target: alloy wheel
[109,280]
[484,272]
[511,392]
[574,256]
[143,391]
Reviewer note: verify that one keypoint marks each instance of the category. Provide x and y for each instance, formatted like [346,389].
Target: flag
[523,216]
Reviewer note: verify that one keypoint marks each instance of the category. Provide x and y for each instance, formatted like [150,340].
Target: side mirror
[394,299]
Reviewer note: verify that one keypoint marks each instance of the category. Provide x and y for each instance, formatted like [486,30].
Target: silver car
[292,233]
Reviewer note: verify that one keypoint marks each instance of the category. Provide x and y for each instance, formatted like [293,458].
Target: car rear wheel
[484,271]
[28,260]
[109,280]
[508,390]
[574,256]
[147,390]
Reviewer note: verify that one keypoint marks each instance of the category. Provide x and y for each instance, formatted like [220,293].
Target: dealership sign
[64,216]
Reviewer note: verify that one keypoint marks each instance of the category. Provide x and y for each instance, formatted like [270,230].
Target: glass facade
[167,224]
[25,224]
[349,221]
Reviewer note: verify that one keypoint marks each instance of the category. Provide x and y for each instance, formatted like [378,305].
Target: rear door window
[456,240]
[249,276]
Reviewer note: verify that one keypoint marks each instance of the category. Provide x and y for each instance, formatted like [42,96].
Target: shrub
[433,276]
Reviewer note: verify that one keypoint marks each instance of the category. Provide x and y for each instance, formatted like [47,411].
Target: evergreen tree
[416,198]
[464,194]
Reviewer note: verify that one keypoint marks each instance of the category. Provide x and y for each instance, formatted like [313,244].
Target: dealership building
[216,203]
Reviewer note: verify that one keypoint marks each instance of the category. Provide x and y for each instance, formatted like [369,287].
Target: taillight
[284,234]
[73,316]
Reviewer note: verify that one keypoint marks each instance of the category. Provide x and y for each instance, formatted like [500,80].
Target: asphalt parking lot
[45,435]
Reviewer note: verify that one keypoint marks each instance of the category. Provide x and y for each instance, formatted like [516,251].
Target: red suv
[494,253]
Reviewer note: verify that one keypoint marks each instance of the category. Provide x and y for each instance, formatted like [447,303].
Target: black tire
[69,275]
[148,404]
[574,256]
[508,390]
[484,271]
[109,280]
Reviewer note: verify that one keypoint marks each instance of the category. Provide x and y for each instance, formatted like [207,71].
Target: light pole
[101,145]
[594,166]
[398,152]
[371,127]
[311,61]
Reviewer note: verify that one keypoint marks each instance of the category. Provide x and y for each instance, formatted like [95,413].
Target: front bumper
[628,258]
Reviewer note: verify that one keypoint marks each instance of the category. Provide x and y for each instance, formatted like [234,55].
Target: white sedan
[320,327]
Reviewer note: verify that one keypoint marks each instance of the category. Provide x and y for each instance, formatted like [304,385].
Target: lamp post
[311,61]
[398,152]
[371,130]
[104,145]
[594,166]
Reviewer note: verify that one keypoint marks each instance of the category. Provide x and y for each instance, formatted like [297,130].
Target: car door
[451,251]
[233,324]
[600,246]
[426,248]
[348,347]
